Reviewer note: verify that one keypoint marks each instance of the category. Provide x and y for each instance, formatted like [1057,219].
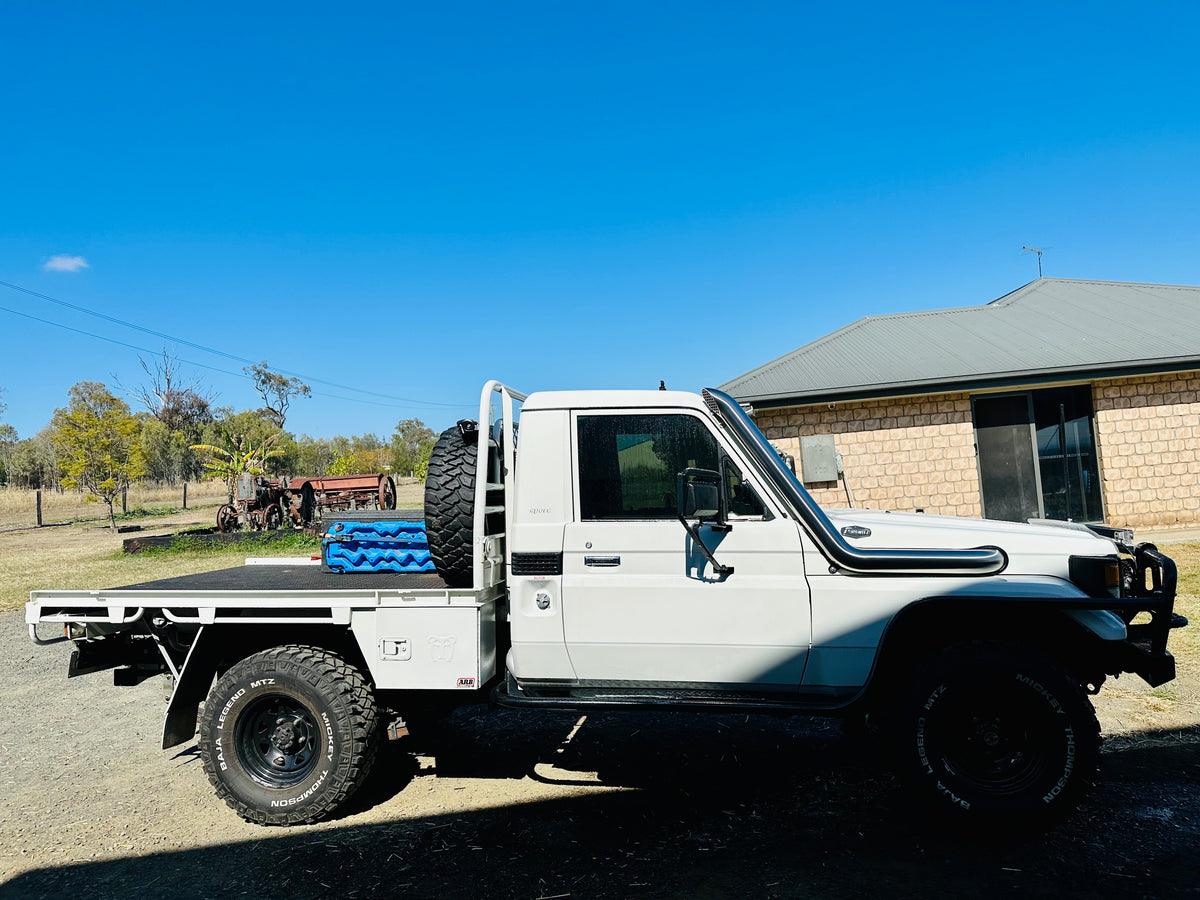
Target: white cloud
[64,262]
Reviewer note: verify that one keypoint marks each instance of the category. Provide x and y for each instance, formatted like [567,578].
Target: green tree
[99,446]
[34,461]
[246,458]
[359,462]
[359,454]
[8,447]
[179,414]
[230,430]
[412,442]
[276,391]
[288,460]
[314,456]
[229,427]
[8,443]
[169,455]
[340,446]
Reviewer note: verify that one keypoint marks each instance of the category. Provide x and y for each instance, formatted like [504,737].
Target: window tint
[628,464]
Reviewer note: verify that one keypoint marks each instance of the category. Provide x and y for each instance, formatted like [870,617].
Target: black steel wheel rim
[278,741]
[997,738]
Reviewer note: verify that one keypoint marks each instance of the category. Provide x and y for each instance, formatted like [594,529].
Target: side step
[508,693]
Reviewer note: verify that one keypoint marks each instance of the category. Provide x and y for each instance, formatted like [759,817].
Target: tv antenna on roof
[1039,256]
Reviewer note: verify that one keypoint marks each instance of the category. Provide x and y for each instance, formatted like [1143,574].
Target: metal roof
[1050,329]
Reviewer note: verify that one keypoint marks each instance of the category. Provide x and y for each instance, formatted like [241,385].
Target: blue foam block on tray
[377,547]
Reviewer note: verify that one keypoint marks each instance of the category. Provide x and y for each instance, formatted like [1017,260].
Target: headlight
[1122,537]
[1096,576]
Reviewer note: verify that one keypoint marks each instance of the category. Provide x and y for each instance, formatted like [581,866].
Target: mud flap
[191,687]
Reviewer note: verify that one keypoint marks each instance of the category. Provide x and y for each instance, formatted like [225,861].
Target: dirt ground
[535,805]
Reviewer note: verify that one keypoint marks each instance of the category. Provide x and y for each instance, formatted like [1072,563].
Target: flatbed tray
[291,578]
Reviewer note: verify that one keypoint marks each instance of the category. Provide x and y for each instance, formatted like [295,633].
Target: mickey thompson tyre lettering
[289,734]
[997,734]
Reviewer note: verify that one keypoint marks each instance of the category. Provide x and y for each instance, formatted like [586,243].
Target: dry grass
[410,495]
[85,555]
[1185,642]
[88,556]
[18,506]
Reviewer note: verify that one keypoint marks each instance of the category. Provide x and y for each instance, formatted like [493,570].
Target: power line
[192,362]
[205,349]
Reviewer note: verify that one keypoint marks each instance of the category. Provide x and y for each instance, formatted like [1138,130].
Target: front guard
[1152,590]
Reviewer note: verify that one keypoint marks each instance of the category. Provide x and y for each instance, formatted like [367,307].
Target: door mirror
[699,495]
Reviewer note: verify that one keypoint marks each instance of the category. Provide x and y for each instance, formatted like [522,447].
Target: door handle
[602,561]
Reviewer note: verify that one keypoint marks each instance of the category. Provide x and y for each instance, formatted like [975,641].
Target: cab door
[641,604]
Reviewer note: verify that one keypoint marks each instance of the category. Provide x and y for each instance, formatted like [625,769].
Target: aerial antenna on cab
[662,385]
[1039,256]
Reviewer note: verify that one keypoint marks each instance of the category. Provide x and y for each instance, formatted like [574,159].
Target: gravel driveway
[518,804]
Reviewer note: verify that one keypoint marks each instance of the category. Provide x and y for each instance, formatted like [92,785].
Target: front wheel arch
[923,629]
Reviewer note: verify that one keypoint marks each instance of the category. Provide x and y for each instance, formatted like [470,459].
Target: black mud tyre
[995,736]
[450,502]
[289,734]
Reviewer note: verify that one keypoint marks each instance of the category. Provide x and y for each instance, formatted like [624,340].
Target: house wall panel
[906,454]
[919,453]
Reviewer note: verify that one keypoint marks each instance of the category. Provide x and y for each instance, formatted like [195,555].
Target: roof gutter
[987,381]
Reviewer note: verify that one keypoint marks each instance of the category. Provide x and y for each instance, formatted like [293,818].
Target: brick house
[1064,399]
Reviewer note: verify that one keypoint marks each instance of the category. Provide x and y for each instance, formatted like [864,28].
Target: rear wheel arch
[217,648]
[241,641]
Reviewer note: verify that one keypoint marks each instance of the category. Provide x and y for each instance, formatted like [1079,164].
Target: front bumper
[1150,590]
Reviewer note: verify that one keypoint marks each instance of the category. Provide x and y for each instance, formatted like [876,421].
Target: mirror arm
[695,536]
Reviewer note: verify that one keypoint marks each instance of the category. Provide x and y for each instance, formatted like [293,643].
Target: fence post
[185,495]
[124,500]
[39,507]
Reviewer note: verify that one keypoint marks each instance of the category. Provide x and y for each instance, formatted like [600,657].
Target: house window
[1037,455]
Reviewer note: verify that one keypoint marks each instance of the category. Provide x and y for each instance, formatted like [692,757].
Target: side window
[628,464]
[741,499]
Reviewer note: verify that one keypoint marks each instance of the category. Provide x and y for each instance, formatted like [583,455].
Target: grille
[537,564]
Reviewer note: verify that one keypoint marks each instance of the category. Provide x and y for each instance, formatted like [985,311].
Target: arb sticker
[466,682]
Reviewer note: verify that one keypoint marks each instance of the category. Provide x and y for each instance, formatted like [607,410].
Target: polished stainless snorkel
[841,555]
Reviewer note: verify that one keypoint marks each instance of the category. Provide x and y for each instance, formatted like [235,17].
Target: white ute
[650,549]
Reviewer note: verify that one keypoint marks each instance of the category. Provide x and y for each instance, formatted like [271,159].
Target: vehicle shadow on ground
[672,805]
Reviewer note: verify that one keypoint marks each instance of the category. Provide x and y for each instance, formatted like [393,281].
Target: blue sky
[414,198]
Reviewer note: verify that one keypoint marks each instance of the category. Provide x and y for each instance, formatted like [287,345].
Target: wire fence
[22,507]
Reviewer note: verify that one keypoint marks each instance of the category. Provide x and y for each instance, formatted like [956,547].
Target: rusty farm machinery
[266,503]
